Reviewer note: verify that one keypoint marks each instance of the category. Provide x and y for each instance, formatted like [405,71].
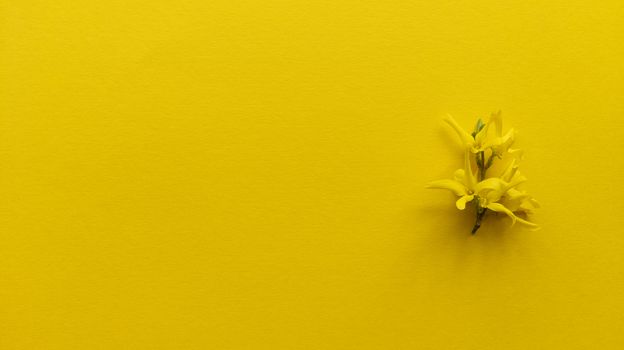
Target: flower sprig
[482,147]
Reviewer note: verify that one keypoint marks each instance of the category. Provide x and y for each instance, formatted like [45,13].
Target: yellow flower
[498,194]
[519,201]
[483,139]
[499,143]
[515,200]
[508,199]
[491,193]
[463,183]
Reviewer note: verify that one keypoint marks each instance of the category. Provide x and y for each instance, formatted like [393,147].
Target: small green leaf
[480,124]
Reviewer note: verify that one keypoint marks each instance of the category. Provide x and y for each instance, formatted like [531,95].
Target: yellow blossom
[484,138]
[465,185]
[498,194]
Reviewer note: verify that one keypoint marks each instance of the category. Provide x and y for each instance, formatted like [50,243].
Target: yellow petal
[500,145]
[516,180]
[493,188]
[458,188]
[502,209]
[509,137]
[504,143]
[497,120]
[497,207]
[528,223]
[528,204]
[490,184]
[510,171]
[514,200]
[461,202]
[469,175]
[465,137]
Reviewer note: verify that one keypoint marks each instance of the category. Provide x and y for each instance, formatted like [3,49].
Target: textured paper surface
[250,174]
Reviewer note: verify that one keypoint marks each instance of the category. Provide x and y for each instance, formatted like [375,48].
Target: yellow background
[250,174]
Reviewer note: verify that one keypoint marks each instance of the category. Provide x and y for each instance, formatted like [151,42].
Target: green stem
[482,167]
[480,211]
[480,214]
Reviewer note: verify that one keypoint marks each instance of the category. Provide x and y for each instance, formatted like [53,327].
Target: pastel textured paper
[250,174]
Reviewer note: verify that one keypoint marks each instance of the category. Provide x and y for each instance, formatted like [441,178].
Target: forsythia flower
[481,139]
[499,194]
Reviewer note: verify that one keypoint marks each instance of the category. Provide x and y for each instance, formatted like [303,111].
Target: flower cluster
[499,194]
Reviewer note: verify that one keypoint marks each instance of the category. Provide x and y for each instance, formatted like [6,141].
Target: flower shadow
[447,235]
